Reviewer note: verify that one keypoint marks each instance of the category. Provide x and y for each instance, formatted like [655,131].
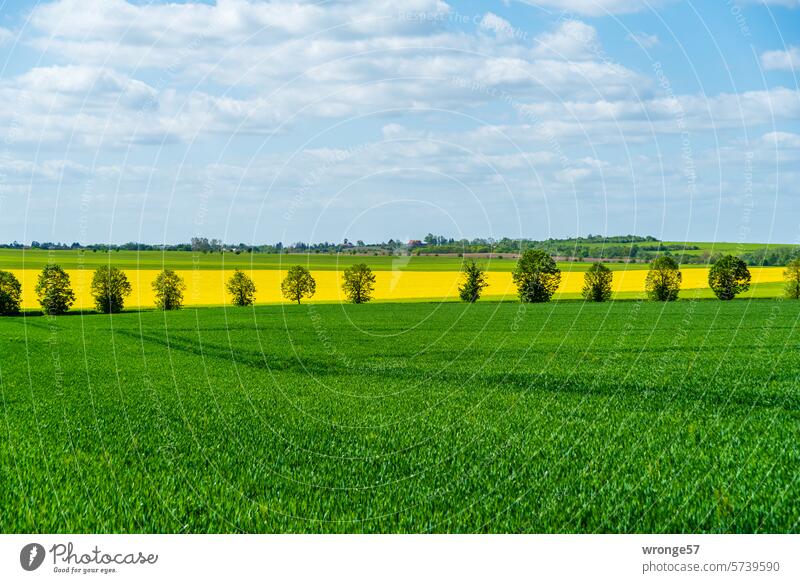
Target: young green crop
[428,417]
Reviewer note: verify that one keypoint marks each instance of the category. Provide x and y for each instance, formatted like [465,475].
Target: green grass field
[36,259]
[494,417]
[726,248]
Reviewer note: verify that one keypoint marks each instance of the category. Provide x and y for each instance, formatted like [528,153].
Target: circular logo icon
[31,556]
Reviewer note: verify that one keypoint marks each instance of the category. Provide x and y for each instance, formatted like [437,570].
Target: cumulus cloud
[595,7]
[788,60]
[229,21]
[647,41]
[276,77]
[753,107]
[396,90]
[6,36]
[85,85]
[631,122]
[781,140]
[573,39]
[90,104]
[784,3]
[497,25]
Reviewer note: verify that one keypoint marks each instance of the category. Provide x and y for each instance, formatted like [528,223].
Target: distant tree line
[622,248]
[774,256]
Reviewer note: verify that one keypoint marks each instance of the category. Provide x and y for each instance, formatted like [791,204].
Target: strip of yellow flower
[207,287]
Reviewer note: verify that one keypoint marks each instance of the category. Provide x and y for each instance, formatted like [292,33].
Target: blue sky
[306,121]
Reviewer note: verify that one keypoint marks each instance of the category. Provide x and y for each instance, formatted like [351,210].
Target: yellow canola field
[207,287]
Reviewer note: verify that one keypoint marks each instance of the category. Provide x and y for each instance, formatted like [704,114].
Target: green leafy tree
[169,287]
[10,294]
[54,290]
[298,284]
[473,283]
[536,276]
[359,283]
[597,283]
[110,287]
[729,277]
[663,282]
[242,289]
[792,275]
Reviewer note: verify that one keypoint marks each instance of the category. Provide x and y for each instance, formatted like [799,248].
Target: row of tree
[536,276]
[110,288]
[358,284]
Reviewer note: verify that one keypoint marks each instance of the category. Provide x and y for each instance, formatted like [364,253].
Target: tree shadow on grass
[646,396]
[73,313]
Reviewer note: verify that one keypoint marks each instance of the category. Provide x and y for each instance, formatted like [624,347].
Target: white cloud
[571,175]
[90,104]
[285,61]
[784,3]
[229,21]
[674,114]
[573,39]
[497,25]
[781,140]
[83,82]
[276,77]
[276,80]
[595,7]
[788,60]
[6,36]
[393,131]
[780,147]
[376,89]
[647,41]
[23,171]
